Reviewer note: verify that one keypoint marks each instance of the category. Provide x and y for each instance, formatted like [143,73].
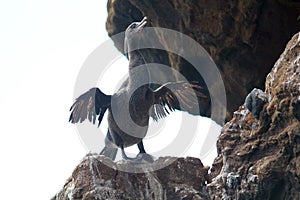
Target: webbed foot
[145,157]
[140,158]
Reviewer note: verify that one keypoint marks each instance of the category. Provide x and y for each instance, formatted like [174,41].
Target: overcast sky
[43,45]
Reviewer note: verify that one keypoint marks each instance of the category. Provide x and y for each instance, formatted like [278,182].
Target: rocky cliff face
[244,37]
[258,157]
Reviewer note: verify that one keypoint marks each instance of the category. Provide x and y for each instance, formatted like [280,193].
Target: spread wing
[89,105]
[180,96]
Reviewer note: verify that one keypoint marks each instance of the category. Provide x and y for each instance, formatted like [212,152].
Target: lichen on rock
[263,162]
[97,177]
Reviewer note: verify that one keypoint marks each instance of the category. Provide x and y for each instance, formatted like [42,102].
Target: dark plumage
[129,128]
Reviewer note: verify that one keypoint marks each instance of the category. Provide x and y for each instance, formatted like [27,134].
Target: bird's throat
[135,59]
[138,69]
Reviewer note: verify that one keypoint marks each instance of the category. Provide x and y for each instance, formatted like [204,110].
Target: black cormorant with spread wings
[128,125]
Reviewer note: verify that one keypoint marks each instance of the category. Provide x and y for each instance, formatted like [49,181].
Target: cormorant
[143,101]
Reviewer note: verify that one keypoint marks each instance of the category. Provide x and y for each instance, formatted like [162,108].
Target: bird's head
[134,28]
[132,33]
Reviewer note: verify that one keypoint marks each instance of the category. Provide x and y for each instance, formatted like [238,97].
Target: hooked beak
[143,22]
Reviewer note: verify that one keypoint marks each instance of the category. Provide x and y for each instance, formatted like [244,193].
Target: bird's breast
[124,130]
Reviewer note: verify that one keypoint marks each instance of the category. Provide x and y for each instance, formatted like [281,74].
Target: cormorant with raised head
[143,101]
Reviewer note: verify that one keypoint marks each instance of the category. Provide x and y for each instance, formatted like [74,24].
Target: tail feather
[109,152]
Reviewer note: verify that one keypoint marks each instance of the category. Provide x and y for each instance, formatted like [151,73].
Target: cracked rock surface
[260,158]
[97,177]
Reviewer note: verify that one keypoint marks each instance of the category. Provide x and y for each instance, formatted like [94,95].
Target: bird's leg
[141,147]
[124,156]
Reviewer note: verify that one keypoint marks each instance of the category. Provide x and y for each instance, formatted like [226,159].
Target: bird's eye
[133,26]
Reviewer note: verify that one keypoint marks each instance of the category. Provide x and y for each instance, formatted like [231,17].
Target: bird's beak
[143,22]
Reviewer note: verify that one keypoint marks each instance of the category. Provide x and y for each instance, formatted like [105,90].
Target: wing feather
[89,105]
[175,96]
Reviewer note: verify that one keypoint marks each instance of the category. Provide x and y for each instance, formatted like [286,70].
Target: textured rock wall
[260,158]
[244,37]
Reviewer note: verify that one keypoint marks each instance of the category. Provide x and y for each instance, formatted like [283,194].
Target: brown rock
[244,38]
[97,177]
[260,159]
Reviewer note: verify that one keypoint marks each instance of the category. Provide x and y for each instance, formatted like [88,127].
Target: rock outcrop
[97,177]
[244,37]
[258,157]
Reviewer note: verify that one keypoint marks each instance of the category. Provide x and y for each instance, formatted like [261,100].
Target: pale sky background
[43,45]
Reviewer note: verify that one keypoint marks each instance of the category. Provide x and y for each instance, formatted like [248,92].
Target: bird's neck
[138,70]
[138,88]
[135,59]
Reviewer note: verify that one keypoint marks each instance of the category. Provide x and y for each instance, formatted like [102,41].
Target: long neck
[135,59]
[138,70]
